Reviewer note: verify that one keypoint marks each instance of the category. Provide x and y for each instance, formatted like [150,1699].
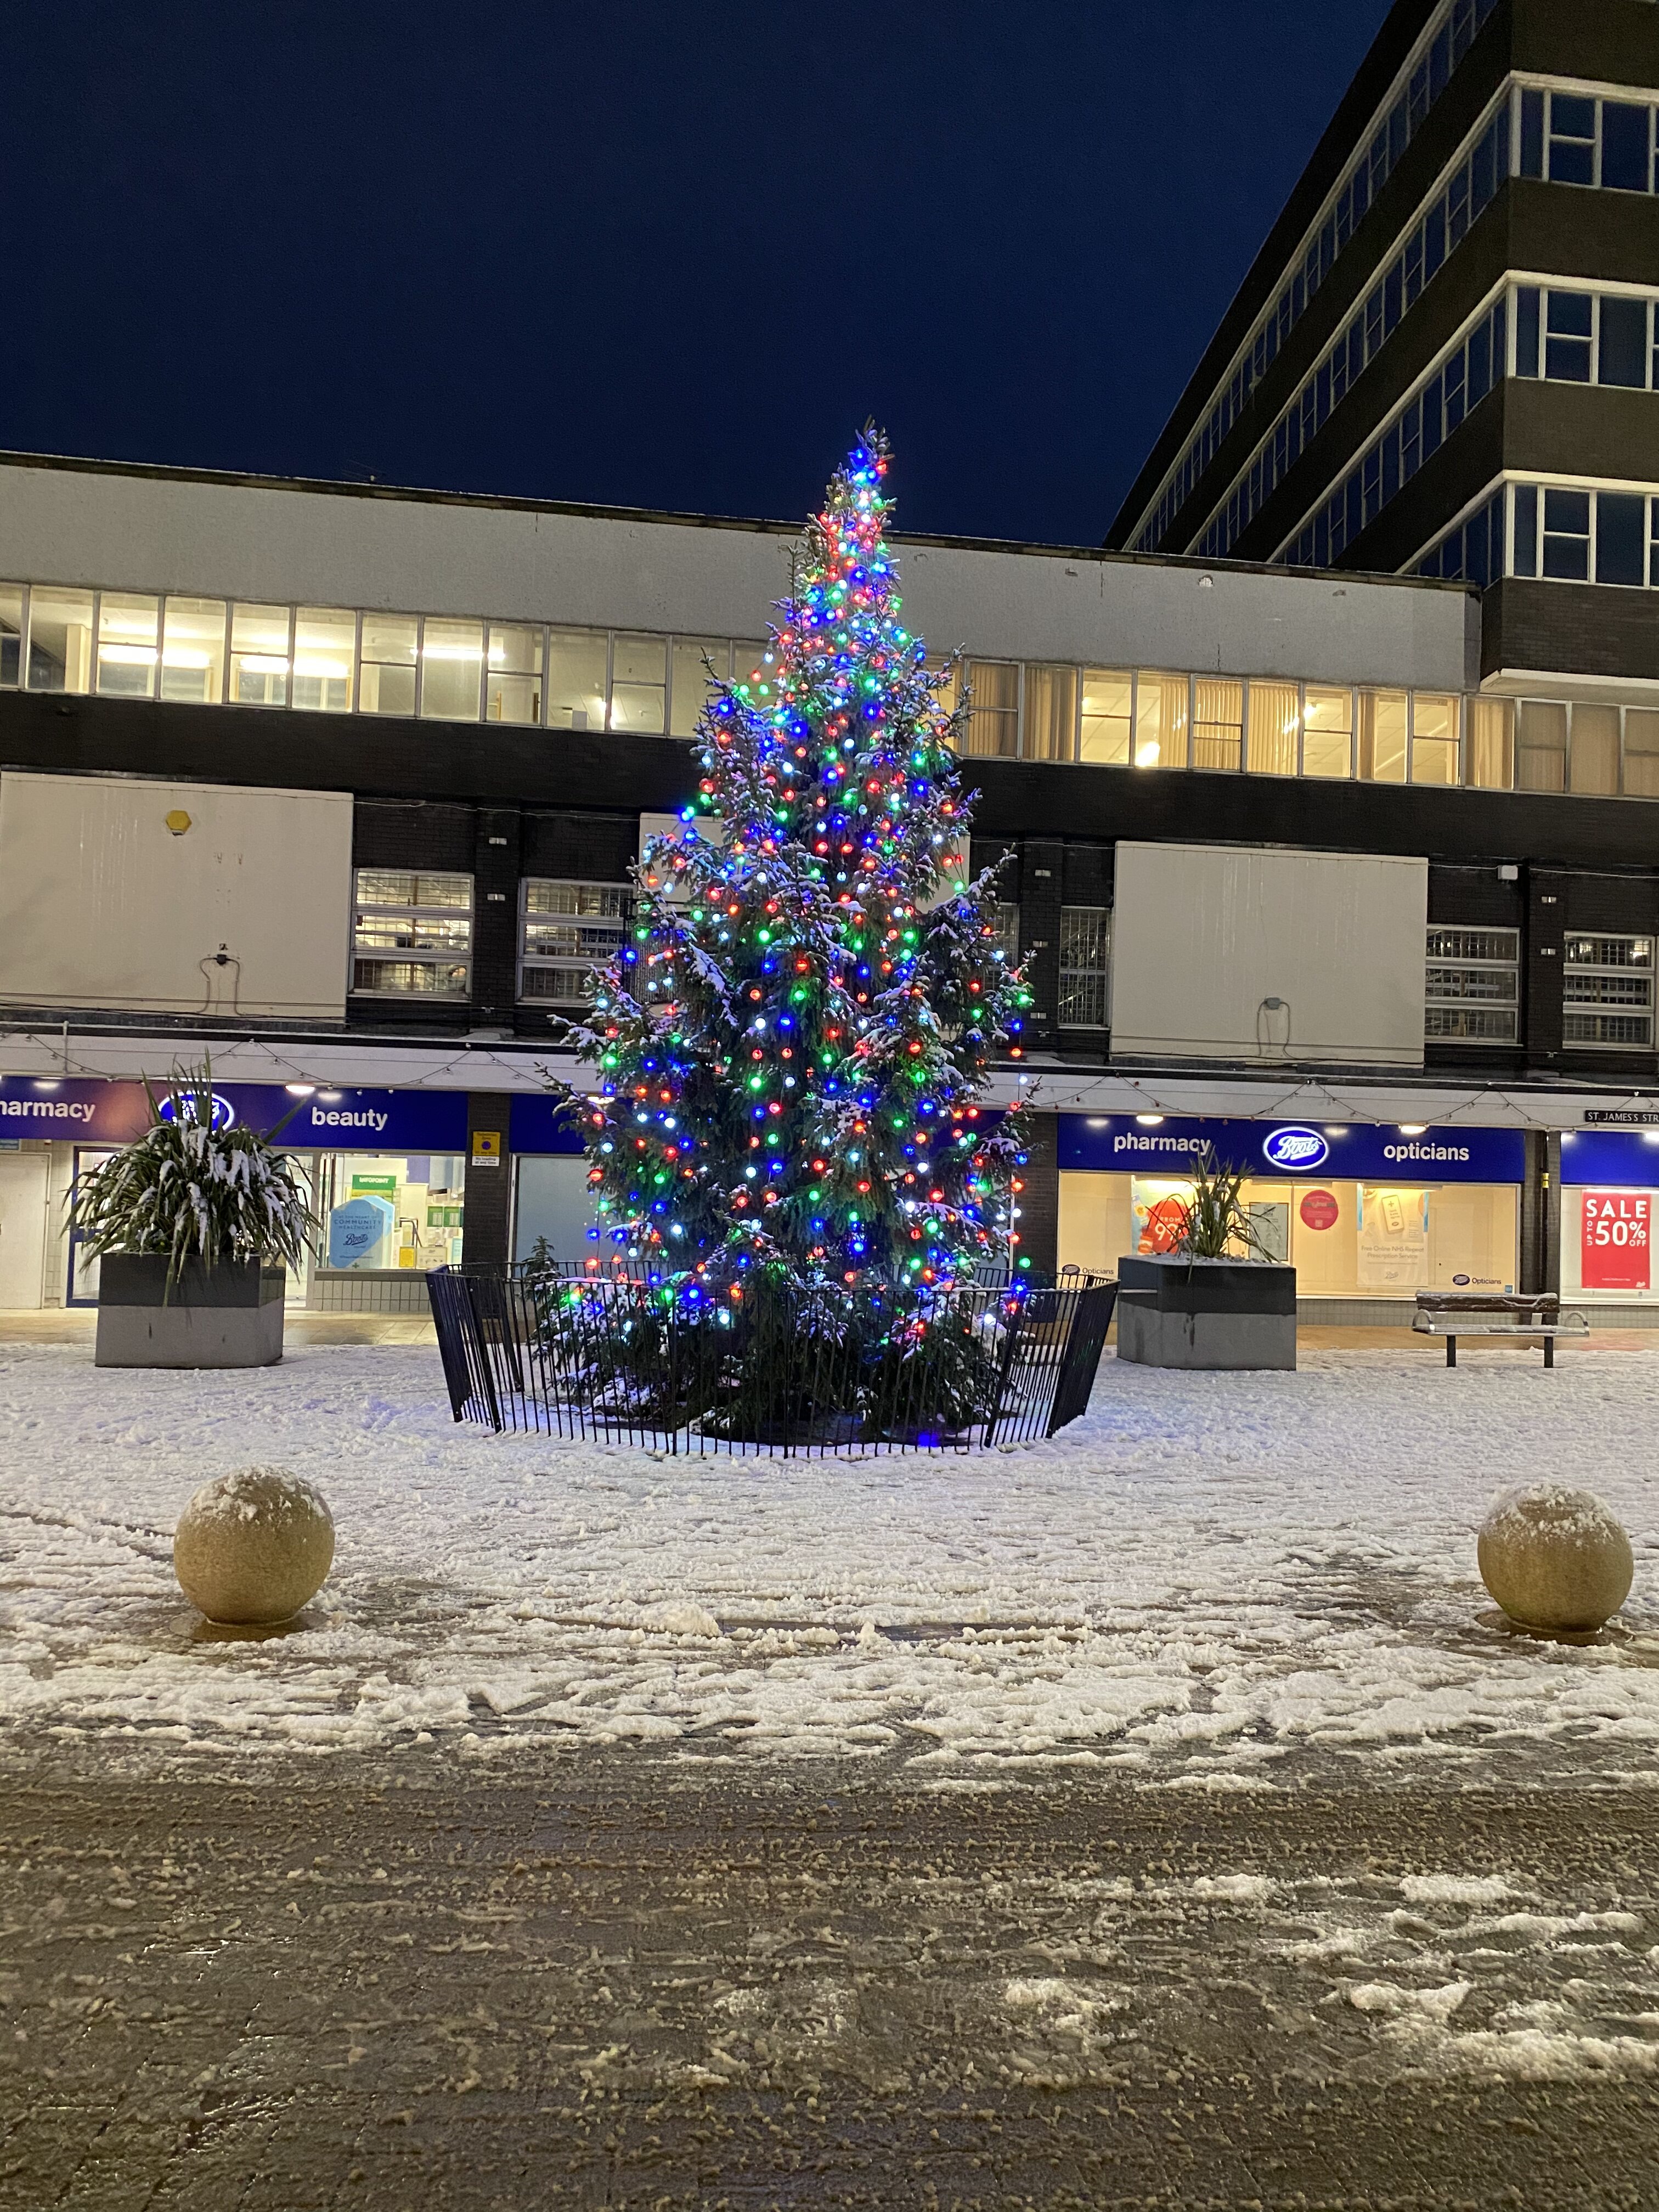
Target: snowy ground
[1220,1582]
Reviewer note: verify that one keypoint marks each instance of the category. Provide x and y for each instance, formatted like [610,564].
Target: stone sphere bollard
[1555,1558]
[253,1546]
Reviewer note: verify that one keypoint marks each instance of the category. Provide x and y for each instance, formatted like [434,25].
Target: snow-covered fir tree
[792,1047]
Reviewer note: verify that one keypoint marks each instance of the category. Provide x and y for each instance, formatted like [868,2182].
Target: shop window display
[1344,1238]
[381,1213]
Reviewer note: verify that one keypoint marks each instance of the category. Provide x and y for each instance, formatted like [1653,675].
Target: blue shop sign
[542,1123]
[88,1110]
[1625,1158]
[1361,1152]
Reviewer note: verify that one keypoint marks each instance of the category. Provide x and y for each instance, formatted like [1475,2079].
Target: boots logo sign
[180,1106]
[1296,1148]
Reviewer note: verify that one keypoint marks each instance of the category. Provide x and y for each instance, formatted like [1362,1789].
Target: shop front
[385,1171]
[1609,1190]
[1363,1212]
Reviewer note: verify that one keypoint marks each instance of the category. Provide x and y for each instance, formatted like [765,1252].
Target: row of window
[1443,46]
[1574,337]
[1569,335]
[1460,382]
[335,660]
[1560,137]
[1569,533]
[1438,232]
[1151,718]
[413,936]
[1569,138]
[1473,988]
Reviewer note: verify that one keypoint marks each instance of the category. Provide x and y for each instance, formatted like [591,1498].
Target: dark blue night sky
[663,257]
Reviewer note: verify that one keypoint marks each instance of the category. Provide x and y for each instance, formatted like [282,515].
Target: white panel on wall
[1263,956]
[122,892]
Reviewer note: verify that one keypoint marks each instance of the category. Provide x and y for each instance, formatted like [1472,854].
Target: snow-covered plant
[194,1190]
[1218,1220]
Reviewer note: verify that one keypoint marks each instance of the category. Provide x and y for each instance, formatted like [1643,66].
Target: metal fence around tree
[607,1358]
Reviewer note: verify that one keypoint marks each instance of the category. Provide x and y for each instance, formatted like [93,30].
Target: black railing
[576,1354]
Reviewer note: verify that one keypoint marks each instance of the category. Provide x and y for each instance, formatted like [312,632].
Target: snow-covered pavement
[1220,1582]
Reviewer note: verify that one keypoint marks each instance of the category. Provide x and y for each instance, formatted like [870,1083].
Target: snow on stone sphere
[253,1546]
[1555,1558]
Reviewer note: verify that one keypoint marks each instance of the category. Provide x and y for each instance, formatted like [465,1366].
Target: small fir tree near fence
[193,1191]
[792,1047]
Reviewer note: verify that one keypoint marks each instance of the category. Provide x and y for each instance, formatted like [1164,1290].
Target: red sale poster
[1614,1255]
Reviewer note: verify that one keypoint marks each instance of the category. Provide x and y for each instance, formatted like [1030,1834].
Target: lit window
[993,731]
[1275,725]
[1085,967]
[128,639]
[193,651]
[577,662]
[60,639]
[639,684]
[1641,753]
[1162,711]
[325,647]
[259,655]
[1541,745]
[1218,722]
[1108,715]
[569,929]
[1326,731]
[412,933]
[1473,985]
[452,670]
[1434,738]
[11,633]
[513,675]
[1492,745]
[689,663]
[1050,732]
[386,680]
[1607,991]
[1383,736]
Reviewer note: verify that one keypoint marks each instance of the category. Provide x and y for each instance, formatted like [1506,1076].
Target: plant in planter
[195,1224]
[1218,1225]
[1216,1299]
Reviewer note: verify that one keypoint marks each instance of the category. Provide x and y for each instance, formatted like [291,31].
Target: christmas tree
[792,1047]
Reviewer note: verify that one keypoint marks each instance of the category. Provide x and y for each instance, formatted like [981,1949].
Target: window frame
[615,929]
[1590,1011]
[413,956]
[1471,964]
[1085,977]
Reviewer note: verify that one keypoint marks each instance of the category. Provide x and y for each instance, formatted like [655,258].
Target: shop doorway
[24,1197]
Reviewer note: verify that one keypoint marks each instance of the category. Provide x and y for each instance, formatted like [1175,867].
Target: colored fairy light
[811,990]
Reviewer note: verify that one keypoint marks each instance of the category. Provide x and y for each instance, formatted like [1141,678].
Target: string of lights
[792,1045]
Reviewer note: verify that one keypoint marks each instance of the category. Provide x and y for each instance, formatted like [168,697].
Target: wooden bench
[1452,1314]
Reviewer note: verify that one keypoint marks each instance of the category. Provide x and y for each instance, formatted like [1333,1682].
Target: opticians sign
[1363,1152]
[1615,1244]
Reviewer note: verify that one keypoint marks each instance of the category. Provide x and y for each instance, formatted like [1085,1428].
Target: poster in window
[1393,1239]
[1614,1241]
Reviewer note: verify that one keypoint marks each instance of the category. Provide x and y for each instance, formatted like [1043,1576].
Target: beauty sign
[1615,1240]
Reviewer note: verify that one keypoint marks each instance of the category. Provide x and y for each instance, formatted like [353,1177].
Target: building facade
[343,786]
[1443,363]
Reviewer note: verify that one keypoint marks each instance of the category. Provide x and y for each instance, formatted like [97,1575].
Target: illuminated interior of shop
[381,1212]
[1344,1239]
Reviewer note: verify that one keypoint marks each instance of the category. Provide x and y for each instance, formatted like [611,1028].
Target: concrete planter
[1205,1313]
[215,1314]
